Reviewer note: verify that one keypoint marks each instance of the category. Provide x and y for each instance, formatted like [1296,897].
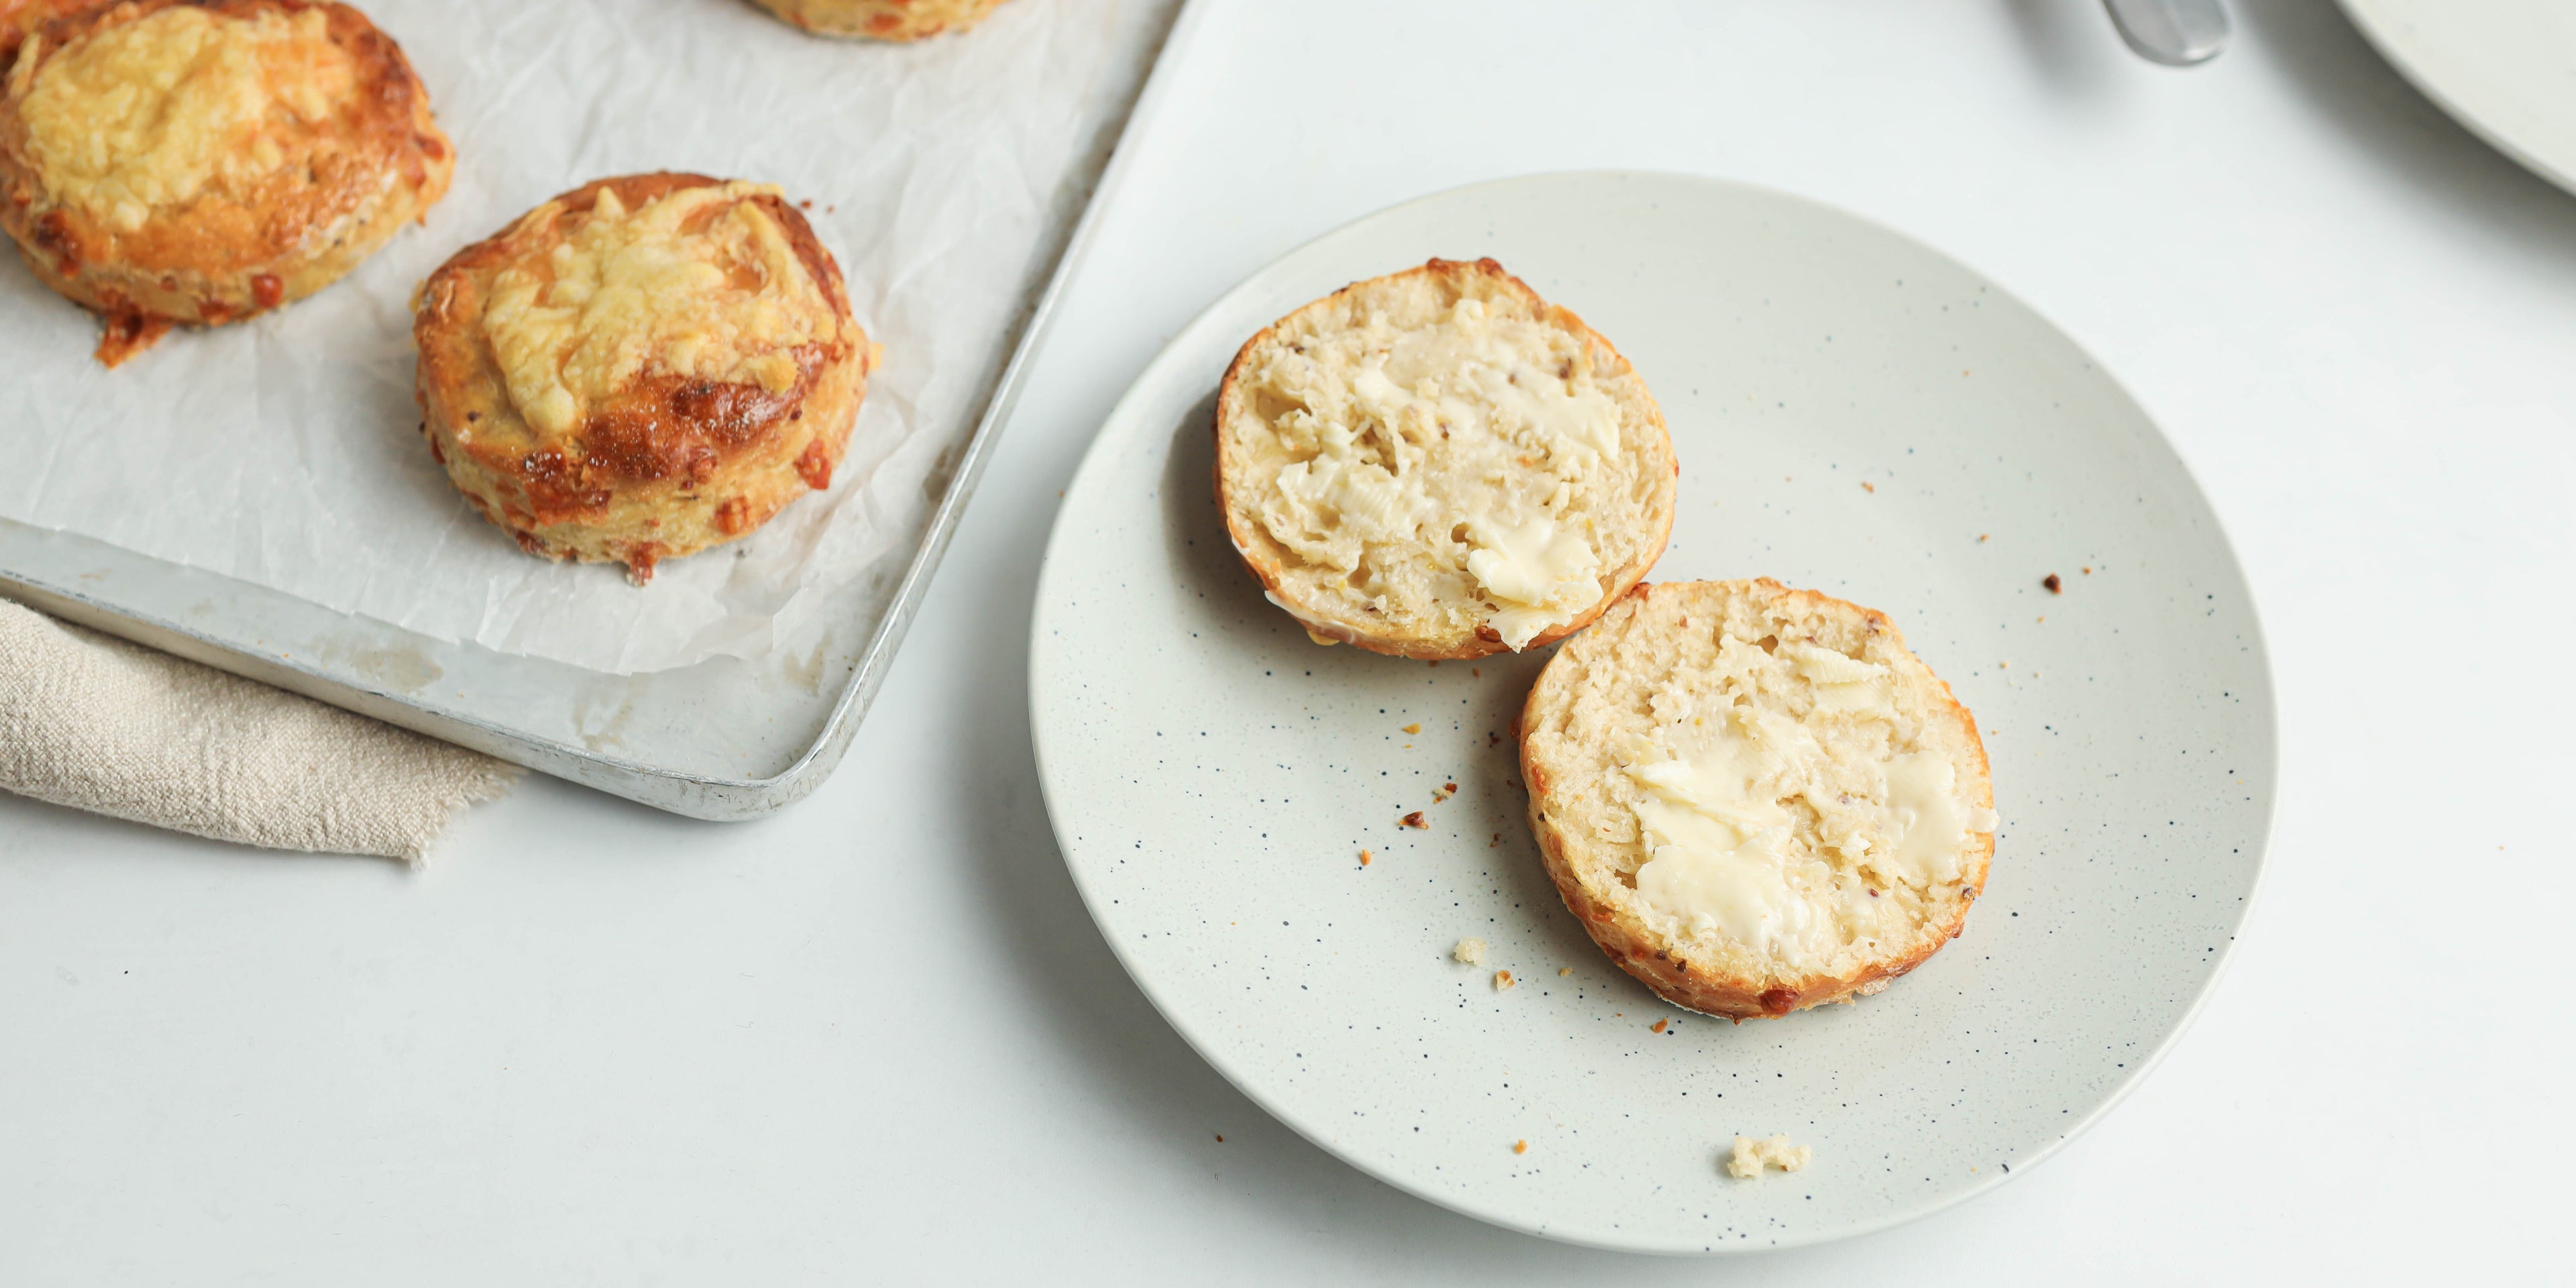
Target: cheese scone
[1755,798]
[1439,464]
[203,161]
[640,368]
[881,19]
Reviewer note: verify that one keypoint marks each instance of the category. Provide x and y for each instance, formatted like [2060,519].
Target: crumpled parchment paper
[286,451]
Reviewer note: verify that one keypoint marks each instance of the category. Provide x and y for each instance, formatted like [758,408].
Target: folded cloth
[111,727]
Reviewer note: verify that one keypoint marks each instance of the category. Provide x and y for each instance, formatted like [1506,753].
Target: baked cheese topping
[1468,437]
[148,115]
[701,283]
[1795,837]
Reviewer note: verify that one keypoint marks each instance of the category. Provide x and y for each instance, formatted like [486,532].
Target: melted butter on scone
[1739,803]
[150,114]
[701,283]
[1466,437]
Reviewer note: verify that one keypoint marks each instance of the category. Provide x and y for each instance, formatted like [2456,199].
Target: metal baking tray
[723,739]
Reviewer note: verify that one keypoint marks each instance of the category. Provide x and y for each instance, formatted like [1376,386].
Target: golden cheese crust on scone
[20,18]
[203,161]
[1440,464]
[1755,798]
[640,368]
[881,19]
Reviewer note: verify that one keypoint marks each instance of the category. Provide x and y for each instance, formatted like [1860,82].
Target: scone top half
[200,161]
[1755,798]
[1439,464]
[640,368]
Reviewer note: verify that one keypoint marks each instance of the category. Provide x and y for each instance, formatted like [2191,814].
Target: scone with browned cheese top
[881,19]
[203,161]
[1439,464]
[1755,798]
[640,368]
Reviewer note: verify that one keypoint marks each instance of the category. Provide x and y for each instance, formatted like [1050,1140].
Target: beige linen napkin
[111,727]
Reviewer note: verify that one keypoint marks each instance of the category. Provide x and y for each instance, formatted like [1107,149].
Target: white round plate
[2506,69]
[1853,412]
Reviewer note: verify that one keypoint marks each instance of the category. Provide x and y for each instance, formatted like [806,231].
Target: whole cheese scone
[1754,798]
[204,161]
[1439,464]
[881,19]
[640,368]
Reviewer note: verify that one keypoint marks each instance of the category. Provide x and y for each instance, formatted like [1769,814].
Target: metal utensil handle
[2177,33]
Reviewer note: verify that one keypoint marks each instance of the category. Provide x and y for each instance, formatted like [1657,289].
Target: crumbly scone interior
[700,283]
[1441,463]
[1785,800]
[150,115]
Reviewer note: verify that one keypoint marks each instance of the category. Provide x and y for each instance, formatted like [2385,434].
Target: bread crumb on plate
[1470,951]
[1751,1156]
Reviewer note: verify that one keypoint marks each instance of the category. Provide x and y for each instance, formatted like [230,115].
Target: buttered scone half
[640,368]
[1754,798]
[1439,464]
[881,19]
[204,161]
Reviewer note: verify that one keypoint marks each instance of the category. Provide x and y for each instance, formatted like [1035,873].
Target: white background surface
[877,1037]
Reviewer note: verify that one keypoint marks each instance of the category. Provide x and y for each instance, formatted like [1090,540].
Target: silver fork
[2177,33]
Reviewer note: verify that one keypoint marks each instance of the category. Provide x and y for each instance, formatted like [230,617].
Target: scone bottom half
[641,368]
[892,20]
[1755,799]
[1439,464]
[199,162]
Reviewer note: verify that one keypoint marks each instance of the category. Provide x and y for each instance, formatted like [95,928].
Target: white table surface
[876,1038]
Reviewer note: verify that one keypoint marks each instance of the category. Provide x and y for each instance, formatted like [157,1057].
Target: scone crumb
[1413,728]
[1470,951]
[1364,858]
[1413,819]
[2053,584]
[1503,980]
[1520,1147]
[1565,972]
[1659,1025]
[1751,1156]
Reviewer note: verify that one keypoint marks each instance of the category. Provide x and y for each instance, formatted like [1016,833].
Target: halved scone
[881,19]
[1439,464]
[1754,798]
[640,368]
[202,161]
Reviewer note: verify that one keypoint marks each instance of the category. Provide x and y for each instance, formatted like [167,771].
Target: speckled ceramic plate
[1853,412]
[2504,68]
